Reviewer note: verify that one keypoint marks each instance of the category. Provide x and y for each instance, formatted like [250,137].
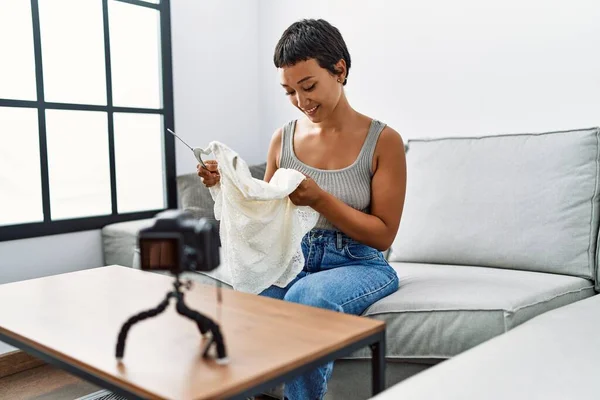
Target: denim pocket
[359,251]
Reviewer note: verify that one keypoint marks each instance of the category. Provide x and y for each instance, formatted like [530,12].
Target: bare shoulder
[277,134]
[389,137]
[390,143]
[390,147]
[275,145]
[274,153]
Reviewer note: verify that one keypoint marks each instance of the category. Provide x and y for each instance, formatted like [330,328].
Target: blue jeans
[339,274]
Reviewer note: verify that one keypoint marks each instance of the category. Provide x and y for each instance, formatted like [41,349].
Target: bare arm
[273,155]
[388,189]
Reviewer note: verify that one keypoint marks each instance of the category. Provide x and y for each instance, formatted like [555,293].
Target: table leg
[378,365]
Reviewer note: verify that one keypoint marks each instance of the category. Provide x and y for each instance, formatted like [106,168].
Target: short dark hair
[312,38]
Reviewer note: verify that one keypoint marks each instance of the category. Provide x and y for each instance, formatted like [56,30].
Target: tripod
[204,323]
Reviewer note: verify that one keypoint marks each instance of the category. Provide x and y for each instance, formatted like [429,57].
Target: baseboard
[17,361]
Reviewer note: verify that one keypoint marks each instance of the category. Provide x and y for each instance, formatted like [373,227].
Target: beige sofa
[496,230]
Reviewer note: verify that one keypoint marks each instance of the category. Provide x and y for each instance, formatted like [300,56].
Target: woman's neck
[342,117]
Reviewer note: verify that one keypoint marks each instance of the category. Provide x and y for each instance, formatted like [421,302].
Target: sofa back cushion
[195,197]
[525,201]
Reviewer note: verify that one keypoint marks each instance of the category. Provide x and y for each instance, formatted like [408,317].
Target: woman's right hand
[210,177]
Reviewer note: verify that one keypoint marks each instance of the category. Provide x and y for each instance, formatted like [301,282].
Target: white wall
[216,80]
[49,255]
[465,67]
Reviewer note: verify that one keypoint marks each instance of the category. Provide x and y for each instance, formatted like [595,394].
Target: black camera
[178,242]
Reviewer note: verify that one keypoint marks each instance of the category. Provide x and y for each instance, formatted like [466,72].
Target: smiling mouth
[311,111]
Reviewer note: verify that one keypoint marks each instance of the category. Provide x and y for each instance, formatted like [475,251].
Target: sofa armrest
[119,241]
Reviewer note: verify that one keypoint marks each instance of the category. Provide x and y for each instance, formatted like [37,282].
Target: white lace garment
[261,229]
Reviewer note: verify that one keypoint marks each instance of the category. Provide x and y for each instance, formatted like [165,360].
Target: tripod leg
[207,346]
[184,310]
[137,318]
[208,324]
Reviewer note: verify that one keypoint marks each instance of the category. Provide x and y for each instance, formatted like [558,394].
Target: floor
[49,383]
[44,383]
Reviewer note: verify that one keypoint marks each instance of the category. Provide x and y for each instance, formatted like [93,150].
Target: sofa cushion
[598,264]
[527,201]
[442,310]
[120,239]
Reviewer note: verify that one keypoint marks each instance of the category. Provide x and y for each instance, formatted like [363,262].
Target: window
[85,100]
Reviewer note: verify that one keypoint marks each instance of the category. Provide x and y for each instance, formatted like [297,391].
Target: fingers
[303,194]
[305,183]
[204,173]
[297,195]
[294,199]
[208,182]
[210,175]
[212,165]
[209,178]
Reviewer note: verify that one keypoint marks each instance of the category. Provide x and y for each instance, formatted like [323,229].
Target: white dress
[261,229]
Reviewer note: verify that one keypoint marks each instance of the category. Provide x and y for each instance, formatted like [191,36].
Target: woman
[356,181]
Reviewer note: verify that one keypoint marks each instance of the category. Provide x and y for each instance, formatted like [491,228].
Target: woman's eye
[308,89]
[289,93]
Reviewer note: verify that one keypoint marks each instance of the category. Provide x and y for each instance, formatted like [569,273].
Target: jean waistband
[324,235]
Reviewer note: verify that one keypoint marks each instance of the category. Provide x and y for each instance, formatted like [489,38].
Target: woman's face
[312,89]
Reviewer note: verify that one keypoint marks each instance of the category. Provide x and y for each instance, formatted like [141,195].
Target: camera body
[178,242]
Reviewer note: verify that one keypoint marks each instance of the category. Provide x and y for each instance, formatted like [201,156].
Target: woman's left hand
[308,193]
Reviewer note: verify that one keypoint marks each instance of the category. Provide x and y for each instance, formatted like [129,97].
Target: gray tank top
[351,184]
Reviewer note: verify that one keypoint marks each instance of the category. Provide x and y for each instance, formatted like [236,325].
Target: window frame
[49,227]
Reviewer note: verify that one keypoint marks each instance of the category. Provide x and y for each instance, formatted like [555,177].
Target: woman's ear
[340,67]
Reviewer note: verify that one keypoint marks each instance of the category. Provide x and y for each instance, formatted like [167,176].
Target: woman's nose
[302,101]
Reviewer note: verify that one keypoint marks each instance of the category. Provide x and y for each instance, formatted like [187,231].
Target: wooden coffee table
[72,321]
